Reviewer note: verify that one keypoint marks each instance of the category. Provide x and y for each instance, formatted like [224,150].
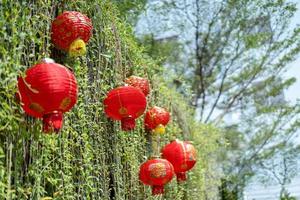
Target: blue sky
[293,92]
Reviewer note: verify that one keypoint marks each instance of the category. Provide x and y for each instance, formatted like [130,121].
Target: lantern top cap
[47,60]
[154,157]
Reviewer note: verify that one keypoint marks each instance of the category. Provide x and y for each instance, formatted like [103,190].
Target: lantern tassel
[157,189]
[181,176]
[127,123]
[160,129]
[52,122]
[156,144]
[77,48]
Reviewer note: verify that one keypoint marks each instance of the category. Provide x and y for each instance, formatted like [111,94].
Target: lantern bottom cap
[127,123]
[157,189]
[77,48]
[181,176]
[160,129]
[52,122]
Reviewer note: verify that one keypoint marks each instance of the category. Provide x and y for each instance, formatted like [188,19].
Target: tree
[287,196]
[231,45]
[234,54]
[263,134]
[282,168]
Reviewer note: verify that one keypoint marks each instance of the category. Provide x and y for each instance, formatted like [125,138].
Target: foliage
[287,196]
[91,158]
[161,50]
[232,59]
[205,177]
[130,9]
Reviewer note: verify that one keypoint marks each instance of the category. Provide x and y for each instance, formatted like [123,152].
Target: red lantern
[125,103]
[156,172]
[140,83]
[156,119]
[182,155]
[71,31]
[47,91]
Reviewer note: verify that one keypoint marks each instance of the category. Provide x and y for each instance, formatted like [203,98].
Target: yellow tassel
[160,129]
[77,48]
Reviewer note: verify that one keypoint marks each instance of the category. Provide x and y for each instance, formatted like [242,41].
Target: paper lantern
[47,91]
[156,172]
[156,119]
[70,32]
[125,103]
[182,155]
[140,83]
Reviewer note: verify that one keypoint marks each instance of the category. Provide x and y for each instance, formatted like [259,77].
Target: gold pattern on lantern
[158,170]
[36,107]
[123,111]
[30,87]
[184,166]
[68,34]
[152,116]
[58,22]
[192,154]
[139,113]
[65,103]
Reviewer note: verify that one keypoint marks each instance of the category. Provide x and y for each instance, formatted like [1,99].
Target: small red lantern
[71,31]
[140,83]
[47,91]
[125,103]
[182,155]
[156,119]
[156,172]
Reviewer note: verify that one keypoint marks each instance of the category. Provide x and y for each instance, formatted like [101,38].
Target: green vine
[91,158]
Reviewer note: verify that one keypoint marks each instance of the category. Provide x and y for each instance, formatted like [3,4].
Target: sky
[293,93]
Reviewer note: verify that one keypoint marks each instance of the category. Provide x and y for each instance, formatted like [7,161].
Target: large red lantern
[140,83]
[156,172]
[156,119]
[182,155]
[125,103]
[47,91]
[71,31]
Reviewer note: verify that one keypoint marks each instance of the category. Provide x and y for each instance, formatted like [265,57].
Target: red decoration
[125,103]
[140,83]
[71,31]
[156,119]
[182,155]
[156,172]
[47,91]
